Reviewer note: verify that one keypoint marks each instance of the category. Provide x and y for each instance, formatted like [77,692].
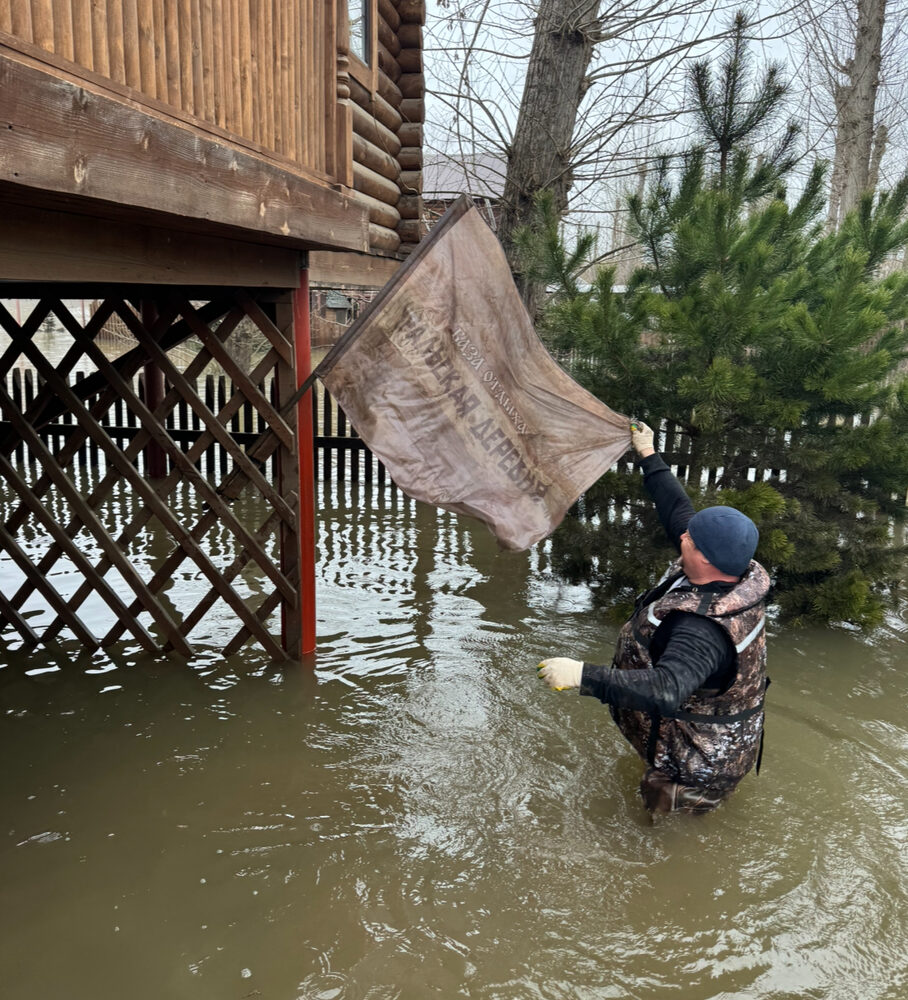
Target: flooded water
[419,816]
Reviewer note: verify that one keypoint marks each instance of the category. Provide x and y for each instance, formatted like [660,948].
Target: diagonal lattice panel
[106,519]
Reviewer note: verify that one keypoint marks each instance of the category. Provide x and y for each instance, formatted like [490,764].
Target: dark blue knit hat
[726,537]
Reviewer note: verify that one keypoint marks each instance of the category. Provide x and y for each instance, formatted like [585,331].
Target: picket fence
[341,456]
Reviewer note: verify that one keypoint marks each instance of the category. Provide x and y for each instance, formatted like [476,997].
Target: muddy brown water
[419,817]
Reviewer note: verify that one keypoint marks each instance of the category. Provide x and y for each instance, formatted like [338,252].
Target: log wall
[386,106]
[275,76]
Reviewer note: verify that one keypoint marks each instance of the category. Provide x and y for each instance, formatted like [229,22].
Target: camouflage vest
[713,739]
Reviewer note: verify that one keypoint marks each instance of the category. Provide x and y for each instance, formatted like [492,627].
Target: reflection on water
[421,818]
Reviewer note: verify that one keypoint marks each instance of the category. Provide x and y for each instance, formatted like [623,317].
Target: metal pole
[306,444]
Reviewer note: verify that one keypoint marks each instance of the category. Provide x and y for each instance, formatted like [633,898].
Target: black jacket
[689,651]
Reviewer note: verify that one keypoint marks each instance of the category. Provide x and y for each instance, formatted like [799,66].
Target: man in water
[688,678]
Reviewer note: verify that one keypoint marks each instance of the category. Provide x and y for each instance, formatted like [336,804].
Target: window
[360,29]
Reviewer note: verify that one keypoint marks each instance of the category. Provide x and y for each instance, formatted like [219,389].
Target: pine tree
[765,343]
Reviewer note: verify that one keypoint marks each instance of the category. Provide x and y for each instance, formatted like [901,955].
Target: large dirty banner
[447,382]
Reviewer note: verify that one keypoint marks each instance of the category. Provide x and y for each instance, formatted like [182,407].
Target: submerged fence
[341,455]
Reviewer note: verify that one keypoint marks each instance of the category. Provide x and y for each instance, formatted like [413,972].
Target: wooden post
[155,459]
[305,437]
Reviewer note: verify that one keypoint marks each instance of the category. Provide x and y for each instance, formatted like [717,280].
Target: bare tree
[856,52]
[571,96]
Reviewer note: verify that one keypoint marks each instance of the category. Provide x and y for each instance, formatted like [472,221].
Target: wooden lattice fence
[130,428]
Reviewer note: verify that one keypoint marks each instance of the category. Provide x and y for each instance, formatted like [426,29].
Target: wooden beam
[36,242]
[76,140]
[332,270]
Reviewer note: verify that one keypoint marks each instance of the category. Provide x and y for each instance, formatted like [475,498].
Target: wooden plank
[124,156]
[83,54]
[330,69]
[245,633]
[244,30]
[271,333]
[196,63]
[388,64]
[410,158]
[410,35]
[320,102]
[63,29]
[411,230]
[132,61]
[388,12]
[167,34]
[410,134]
[279,43]
[100,17]
[266,71]
[410,206]
[412,85]
[411,181]
[350,269]
[186,44]
[148,82]
[10,614]
[9,545]
[36,242]
[42,12]
[211,62]
[287,480]
[21,20]
[413,109]
[226,361]
[388,38]
[301,72]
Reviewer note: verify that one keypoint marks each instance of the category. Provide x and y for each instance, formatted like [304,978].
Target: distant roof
[444,176]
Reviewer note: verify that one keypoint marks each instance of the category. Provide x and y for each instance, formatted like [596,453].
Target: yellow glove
[642,438]
[560,673]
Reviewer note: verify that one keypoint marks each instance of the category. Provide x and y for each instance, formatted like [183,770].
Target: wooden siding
[274,78]
[254,68]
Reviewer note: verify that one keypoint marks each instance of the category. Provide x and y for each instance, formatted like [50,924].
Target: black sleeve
[697,651]
[672,504]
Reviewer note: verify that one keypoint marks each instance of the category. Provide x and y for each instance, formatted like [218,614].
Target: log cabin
[185,165]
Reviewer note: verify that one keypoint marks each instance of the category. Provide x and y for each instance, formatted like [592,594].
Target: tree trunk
[855,109]
[540,155]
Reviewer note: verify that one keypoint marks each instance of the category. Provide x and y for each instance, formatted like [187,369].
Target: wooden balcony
[238,120]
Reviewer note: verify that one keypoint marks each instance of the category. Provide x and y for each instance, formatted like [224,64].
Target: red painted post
[306,439]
